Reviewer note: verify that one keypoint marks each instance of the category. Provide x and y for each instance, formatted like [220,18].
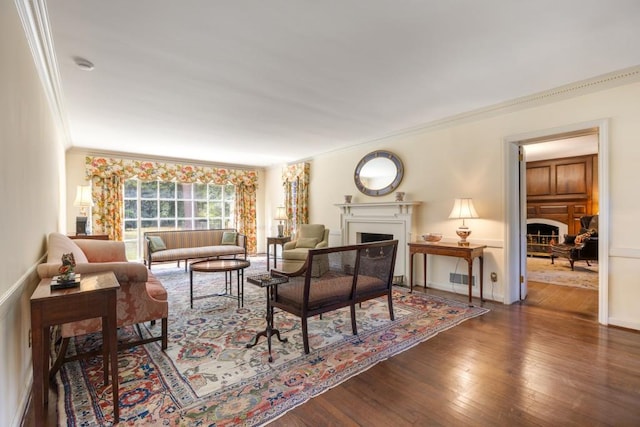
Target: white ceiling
[271,81]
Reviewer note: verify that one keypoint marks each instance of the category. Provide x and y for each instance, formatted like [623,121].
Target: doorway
[561,191]
[515,209]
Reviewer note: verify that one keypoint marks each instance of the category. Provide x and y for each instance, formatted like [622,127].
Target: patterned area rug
[560,273]
[207,376]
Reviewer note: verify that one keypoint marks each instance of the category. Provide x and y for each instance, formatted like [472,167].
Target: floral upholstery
[141,296]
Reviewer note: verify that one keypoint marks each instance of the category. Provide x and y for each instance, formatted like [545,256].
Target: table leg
[411,271]
[269,330]
[424,273]
[269,258]
[481,278]
[40,371]
[110,328]
[470,264]
[191,287]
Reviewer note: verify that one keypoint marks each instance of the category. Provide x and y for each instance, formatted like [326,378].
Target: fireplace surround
[384,220]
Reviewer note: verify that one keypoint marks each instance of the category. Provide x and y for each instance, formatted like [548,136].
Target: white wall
[467,159]
[31,166]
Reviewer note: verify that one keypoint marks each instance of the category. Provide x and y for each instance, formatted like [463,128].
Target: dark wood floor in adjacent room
[546,362]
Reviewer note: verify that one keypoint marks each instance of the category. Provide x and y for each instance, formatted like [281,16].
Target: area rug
[560,273]
[207,376]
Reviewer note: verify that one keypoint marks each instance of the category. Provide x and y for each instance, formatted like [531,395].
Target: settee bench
[178,245]
[349,275]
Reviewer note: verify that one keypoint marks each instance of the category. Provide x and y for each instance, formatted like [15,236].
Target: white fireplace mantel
[395,218]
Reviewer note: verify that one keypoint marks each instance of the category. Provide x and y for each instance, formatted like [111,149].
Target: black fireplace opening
[374,237]
[540,238]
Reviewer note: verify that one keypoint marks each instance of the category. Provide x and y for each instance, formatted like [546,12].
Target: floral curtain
[295,179]
[108,174]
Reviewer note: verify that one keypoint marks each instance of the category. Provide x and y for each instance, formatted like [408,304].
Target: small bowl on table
[432,237]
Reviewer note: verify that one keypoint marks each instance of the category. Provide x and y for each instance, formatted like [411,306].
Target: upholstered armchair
[580,247]
[140,298]
[294,253]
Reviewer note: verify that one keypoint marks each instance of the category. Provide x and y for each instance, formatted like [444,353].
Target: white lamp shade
[463,208]
[83,196]
[281,213]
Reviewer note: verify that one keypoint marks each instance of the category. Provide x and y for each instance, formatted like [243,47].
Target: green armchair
[294,253]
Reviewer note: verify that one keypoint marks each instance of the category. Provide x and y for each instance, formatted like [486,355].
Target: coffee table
[268,282]
[228,266]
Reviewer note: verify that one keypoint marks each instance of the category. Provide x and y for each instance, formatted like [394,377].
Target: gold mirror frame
[360,180]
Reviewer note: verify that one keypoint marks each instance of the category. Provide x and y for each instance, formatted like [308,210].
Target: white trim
[624,253]
[512,216]
[35,21]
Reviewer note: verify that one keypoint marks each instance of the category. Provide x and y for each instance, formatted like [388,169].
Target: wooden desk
[95,297]
[448,249]
[275,241]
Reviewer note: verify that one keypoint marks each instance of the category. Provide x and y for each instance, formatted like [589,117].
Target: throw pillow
[306,242]
[229,238]
[156,243]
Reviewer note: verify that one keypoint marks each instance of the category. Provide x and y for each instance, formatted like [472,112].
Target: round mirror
[378,173]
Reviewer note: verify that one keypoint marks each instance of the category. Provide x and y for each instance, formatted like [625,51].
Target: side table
[94,297]
[275,241]
[448,249]
[268,282]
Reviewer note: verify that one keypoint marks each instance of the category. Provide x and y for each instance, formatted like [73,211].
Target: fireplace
[373,237]
[542,234]
[368,222]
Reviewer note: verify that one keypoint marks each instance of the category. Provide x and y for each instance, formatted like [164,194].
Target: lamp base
[280,230]
[463,233]
[81,226]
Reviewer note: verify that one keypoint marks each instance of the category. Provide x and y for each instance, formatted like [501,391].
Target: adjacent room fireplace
[542,234]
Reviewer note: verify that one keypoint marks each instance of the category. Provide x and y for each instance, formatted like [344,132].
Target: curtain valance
[104,167]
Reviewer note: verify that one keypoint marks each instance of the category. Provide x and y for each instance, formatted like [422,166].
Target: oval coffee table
[228,266]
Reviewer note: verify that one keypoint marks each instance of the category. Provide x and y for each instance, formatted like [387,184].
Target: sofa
[356,273]
[580,247]
[178,245]
[140,298]
[294,253]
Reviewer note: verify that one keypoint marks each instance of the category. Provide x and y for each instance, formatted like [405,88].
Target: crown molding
[35,21]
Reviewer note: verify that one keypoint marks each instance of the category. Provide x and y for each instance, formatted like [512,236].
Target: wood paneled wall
[563,189]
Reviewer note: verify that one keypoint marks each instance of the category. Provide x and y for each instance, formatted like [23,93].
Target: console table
[469,253]
[94,297]
[275,241]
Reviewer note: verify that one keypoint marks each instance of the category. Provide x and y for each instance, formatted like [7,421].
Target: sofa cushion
[156,243]
[60,244]
[229,238]
[306,242]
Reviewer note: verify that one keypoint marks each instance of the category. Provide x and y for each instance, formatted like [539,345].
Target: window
[162,205]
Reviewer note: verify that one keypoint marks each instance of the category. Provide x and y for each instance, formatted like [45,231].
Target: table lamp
[281,215]
[83,201]
[463,209]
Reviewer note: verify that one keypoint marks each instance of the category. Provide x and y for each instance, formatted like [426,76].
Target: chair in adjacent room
[580,247]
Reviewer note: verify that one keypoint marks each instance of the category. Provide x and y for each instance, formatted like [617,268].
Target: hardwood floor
[545,362]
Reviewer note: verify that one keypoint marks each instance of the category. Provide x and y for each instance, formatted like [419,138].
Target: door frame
[515,218]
